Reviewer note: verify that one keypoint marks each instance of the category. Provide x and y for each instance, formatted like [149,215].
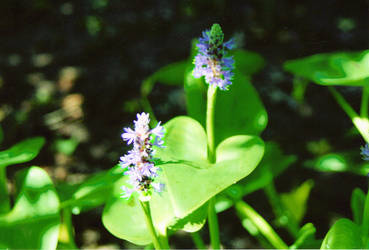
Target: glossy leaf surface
[344,234]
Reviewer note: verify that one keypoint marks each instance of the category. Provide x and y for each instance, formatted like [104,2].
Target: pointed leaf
[344,234]
[342,68]
[34,220]
[296,200]
[21,152]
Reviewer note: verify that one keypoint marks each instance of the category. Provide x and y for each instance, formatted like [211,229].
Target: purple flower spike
[212,60]
[139,161]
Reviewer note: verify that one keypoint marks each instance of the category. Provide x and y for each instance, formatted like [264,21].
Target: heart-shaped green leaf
[343,68]
[34,220]
[237,156]
[238,110]
[357,205]
[21,152]
[344,234]
[185,140]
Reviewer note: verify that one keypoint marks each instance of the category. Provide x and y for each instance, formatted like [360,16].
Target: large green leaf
[21,152]
[33,222]
[237,156]
[357,205]
[344,234]
[238,110]
[343,68]
[171,74]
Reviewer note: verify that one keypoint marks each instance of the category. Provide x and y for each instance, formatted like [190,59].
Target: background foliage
[72,72]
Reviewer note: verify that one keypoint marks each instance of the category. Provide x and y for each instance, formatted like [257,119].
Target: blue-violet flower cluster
[212,60]
[139,161]
[365,152]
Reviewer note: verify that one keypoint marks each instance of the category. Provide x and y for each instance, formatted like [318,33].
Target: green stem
[146,208]
[280,211]
[213,225]
[365,101]
[212,215]
[4,200]
[245,210]
[67,220]
[365,225]
[197,240]
[210,112]
[361,123]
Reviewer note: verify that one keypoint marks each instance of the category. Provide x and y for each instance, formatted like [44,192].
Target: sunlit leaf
[296,201]
[34,221]
[344,234]
[21,152]
[341,68]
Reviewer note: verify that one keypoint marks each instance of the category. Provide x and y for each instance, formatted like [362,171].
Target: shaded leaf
[247,62]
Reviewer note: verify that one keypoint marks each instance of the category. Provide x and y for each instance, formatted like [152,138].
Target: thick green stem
[197,240]
[4,196]
[246,211]
[210,112]
[212,215]
[146,208]
[365,101]
[285,218]
[67,220]
[365,225]
[213,225]
[361,123]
